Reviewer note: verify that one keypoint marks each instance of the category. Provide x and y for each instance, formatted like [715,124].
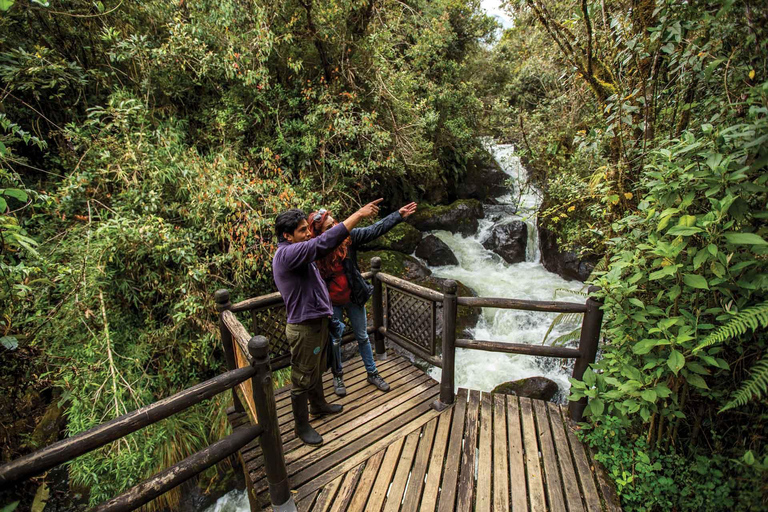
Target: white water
[490,276]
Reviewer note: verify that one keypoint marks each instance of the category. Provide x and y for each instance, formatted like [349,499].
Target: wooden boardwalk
[391,451]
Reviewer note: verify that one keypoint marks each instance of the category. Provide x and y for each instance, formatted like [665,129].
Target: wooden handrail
[435,361]
[519,348]
[166,480]
[72,447]
[525,305]
[406,286]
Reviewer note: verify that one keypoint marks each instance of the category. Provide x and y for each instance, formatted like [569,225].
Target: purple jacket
[297,278]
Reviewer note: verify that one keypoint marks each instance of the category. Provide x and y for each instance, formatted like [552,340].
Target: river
[490,276]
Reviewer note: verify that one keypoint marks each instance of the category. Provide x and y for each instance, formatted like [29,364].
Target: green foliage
[748,319]
[753,388]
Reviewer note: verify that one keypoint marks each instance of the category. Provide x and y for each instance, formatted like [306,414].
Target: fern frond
[562,318]
[571,292]
[752,388]
[740,323]
[565,338]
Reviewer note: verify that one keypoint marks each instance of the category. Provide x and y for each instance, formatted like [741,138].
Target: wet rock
[402,238]
[195,497]
[567,264]
[509,241]
[540,388]
[435,252]
[396,264]
[458,217]
[484,179]
[47,430]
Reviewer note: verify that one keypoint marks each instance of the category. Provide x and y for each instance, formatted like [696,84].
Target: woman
[349,291]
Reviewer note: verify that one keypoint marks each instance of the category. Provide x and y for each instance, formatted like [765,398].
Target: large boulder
[540,388]
[458,217]
[509,241]
[567,264]
[402,238]
[436,252]
[396,264]
[484,179]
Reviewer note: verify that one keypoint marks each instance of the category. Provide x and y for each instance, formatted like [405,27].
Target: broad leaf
[675,361]
[744,239]
[695,281]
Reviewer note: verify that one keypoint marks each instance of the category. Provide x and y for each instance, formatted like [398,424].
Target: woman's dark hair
[287,222]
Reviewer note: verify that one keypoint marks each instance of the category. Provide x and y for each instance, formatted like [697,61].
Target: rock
[484,179]
[195,497]
[435,252]
[396,264]
[458,217]
[47,430]
[566,264]
[540,388]
[509,241]
[402,238]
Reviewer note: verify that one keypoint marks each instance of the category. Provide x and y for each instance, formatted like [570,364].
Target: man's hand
[407,210]
[369,210]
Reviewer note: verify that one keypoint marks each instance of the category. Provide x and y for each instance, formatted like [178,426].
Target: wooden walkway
[391,451]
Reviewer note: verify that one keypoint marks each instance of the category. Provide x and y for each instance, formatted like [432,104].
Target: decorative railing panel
[270,323]
[411,318]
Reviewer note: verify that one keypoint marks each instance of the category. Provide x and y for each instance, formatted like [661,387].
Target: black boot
[301,426]
[317,404]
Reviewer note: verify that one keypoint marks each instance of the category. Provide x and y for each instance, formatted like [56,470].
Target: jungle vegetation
[145,148]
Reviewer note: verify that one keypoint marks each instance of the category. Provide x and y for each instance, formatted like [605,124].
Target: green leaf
[695,281]
[684,230]
[4,6]
[749,458]
[696,381]
[744,239]
[675,361]
[17,194]
[589,377]
[648,395]
[644,346]
[699,259]
[9,342]
[666,271]
[596,406]
[11,506]
[3,205]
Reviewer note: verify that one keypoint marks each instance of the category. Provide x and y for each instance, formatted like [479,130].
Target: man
[308,309]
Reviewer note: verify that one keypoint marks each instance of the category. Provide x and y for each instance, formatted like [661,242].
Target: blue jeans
[359,322]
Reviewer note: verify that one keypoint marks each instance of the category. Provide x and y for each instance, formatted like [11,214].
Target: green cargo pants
[308,343]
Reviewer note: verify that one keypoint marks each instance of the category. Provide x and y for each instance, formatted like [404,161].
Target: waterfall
[490,276]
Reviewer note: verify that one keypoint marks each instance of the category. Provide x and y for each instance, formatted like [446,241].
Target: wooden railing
[256,375]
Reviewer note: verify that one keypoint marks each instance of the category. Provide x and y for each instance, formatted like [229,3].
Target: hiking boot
[301,426]
[317,404]
[376,380]
[338,386]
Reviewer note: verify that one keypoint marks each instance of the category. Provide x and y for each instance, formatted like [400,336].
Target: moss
[395,263]
[460,216]
[403,238]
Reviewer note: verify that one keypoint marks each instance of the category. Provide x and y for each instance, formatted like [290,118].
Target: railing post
[378,310]
[266,415]
[449,346]
[223,304]
[588,342]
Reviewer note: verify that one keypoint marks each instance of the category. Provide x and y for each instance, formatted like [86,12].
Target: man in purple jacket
[308,309]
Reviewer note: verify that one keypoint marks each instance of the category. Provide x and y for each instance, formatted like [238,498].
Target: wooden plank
[435,468]
[517,486]
[325,498]
[351,477]
[349,428]
[360,497]
[387,469]
[586,479]
[416,483]
[360,449]
[500,457]
[453,457]
[467,477]
[532,468]
[363,431]
[395,496]
[305,504]
[525,305]
[519,348]
[608,492]
[554,486]
[570,484]
[485,459]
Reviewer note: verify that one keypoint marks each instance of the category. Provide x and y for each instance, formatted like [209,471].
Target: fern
[562,318]
[749,318]
[565,338]
[754,387]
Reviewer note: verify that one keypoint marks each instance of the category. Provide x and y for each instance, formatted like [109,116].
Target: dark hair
[287,222]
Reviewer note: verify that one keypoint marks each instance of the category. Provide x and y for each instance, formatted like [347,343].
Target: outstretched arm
[362,236]
[369,210]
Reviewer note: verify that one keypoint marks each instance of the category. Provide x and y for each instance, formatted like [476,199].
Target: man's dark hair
[287,222]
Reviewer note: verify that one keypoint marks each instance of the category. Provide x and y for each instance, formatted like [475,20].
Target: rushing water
[490,276]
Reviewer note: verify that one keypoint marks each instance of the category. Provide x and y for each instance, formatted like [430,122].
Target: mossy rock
[402,238]
[539,388]
[396,264]
[458,217]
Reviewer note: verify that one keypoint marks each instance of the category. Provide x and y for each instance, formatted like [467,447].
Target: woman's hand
[407,210]
[371,209]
